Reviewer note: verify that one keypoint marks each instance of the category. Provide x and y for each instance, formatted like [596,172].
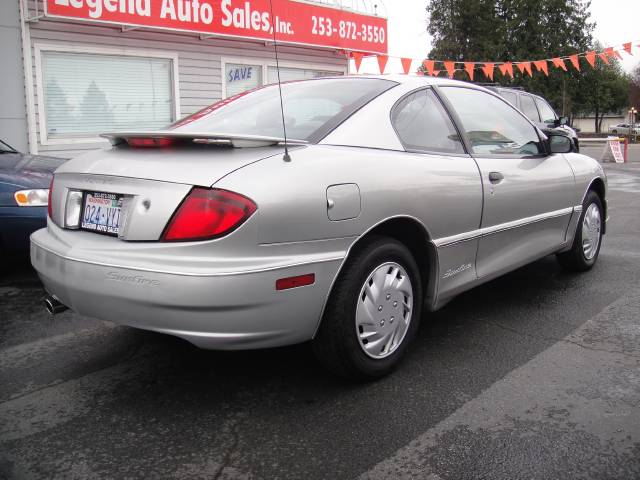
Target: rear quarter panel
[443,193]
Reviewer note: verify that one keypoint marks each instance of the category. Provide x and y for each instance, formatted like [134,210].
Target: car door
[450,197]
[527,192]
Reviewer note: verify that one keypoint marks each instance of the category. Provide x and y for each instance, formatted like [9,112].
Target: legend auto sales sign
[294,21]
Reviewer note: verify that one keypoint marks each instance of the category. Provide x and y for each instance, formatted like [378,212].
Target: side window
[529,108]
[493,127]
[422,123]
[546,112]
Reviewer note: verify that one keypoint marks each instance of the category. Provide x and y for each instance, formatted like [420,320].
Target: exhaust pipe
[53,305]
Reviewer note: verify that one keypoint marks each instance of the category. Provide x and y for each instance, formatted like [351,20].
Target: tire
[580,258]
[342,343]
[614,131]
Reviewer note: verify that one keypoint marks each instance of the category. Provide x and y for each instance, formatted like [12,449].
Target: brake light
[208,213]
[49,205]
[150,142]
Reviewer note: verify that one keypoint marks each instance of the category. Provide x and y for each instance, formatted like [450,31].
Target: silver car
[625,129]
[396,194]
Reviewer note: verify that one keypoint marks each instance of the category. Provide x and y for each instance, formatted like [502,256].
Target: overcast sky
[616,23]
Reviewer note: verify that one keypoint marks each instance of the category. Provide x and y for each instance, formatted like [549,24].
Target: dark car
[538,110]
[24,193]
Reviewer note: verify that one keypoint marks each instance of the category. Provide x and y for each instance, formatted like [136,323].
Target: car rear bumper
[225,311]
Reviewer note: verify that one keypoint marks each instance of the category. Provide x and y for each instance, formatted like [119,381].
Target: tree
[512,30]
[634,90]
[601,90]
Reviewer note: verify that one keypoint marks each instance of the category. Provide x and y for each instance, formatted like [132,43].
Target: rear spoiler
[159,138]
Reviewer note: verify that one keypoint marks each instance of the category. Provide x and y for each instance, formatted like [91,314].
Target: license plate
[101,212]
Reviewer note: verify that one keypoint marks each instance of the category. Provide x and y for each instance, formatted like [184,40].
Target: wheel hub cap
[383,312]
[591,225]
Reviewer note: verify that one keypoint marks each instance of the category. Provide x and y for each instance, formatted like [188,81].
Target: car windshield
[312,108]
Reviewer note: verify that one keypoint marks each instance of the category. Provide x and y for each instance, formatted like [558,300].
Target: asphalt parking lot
[535,375]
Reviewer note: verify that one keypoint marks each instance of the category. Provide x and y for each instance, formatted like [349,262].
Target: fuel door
[343,201]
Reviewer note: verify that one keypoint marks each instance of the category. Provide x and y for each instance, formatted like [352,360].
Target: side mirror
[564,120]
[560,144]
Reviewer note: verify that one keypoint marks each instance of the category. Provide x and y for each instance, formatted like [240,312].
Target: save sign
[294,21]
[239,73]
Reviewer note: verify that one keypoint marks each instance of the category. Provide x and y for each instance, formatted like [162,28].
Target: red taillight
[49,205]
[150,142]
[208,213]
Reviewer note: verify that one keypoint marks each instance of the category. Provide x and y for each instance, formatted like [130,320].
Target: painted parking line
[574,407]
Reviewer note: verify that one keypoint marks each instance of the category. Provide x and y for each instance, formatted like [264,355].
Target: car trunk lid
[194,159]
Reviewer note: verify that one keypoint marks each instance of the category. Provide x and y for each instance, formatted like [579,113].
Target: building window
[289,74]
[88,94]
[242,77]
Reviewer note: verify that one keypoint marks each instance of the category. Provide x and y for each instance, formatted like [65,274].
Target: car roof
[521,91]
[419,80]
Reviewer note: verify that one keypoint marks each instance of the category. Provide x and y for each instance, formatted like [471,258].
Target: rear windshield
[312,108]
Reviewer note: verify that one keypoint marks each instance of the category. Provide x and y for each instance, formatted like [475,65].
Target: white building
[76,68]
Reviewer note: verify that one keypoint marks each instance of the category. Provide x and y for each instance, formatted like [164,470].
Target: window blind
[288,74]
[87,94]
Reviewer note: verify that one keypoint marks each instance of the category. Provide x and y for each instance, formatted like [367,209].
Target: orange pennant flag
[451,68]
[382,62]
[487,69]
[506,68]
[436,73]
[610,52]
[559,63]
[357,59]
[591,58]
[406,65]
[542,66]
[429,66]
[524,67]
[604,58]
[575,61]
[469,66]
[627,47]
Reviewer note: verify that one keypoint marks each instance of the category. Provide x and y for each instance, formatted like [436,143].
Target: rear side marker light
[150,142]
[293,282]
[208,213]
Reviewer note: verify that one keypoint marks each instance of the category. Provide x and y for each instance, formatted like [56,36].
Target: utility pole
[564,95]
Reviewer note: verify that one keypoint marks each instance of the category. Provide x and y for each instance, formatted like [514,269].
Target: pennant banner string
[505,67]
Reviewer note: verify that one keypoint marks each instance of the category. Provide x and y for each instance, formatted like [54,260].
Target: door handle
[495,177]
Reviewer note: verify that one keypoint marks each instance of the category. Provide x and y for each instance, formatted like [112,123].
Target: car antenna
[286,156]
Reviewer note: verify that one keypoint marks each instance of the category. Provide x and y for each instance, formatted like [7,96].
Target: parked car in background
[397,194]
[538,110]
[625,129]
[24,193]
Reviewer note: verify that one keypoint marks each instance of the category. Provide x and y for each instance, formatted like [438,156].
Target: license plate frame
[106,206]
